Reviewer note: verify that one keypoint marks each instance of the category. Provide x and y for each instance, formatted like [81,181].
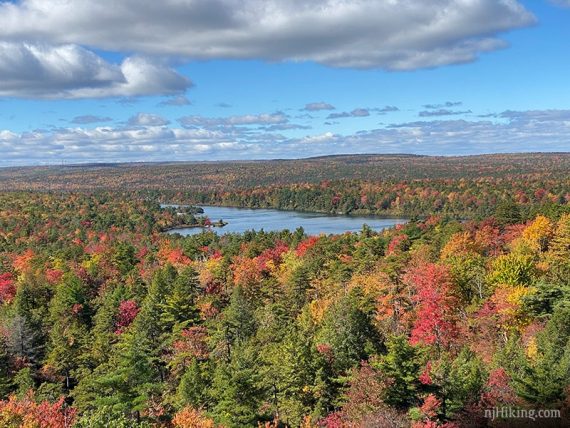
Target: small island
[184,217]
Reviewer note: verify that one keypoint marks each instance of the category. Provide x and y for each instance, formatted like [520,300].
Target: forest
[106,321]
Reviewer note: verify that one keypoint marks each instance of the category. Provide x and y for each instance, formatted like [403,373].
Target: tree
[544,376]
[5,378]
[25,412]
[179,308]
[435,317]
[125,383]
[237,323]
[507,212]
[347,328]
[400,367]
[235,387]
[70,318]
[193,387]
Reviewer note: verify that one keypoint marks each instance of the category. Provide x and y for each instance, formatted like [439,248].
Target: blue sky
[492,78]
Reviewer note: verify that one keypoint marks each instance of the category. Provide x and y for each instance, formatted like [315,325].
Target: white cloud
[244,120]
[394,34]
[147,119]
[539,131]
[357,112]
[70,71]
[318,106]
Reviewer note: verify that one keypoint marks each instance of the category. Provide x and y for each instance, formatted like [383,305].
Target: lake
[243,219]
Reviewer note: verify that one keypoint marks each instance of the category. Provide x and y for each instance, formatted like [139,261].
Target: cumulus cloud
[318,106]
[70,71]
[442,112]
[393,35]
[244,120]
[386,109]
[539,131]
[147,119]
[537,116]
[447,104]
[357,112]
[87,119]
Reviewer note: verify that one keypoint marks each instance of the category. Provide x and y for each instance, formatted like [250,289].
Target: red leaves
[498,392]
[128,310]
[397,243]
[436,320]
[425,378]
[272,255]
[326,351]
[306,245]
[54,276]
[25,412]
[7,288]
[177,257]
[193,343]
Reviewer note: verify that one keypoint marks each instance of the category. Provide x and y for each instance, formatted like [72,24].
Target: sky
[175,80]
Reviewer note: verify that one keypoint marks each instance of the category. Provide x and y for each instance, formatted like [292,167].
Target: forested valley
[106,321]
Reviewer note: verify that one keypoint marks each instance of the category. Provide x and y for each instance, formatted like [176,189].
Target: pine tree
[543,377]
[69,316]
[401,368]
[125,383]
[236,389]
[193,387]
[179,309]
[5,378]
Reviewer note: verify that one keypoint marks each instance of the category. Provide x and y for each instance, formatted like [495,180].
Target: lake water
[243,219]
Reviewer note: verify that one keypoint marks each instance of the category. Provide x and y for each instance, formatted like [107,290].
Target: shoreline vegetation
[436,320]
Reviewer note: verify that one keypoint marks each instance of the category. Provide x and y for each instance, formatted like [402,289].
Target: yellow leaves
[460,243]
[513,269]
[372,284]
[509,303]
[318,309]
[289,264]
[538,234]
[532,350]
[91,264]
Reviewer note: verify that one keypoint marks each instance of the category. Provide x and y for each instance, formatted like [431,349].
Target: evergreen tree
[401,368]
[125,383]
[544,376]
[5,375]
[236,389]
[69,316]
[193,387]
[179,308]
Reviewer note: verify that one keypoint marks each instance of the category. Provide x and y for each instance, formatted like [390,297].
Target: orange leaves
[247,272]
[460,243]
[25,412]
[23,261]
[192,418]
[175,256]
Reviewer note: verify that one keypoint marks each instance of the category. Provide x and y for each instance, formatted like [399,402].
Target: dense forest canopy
[105,321]
[398,185]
